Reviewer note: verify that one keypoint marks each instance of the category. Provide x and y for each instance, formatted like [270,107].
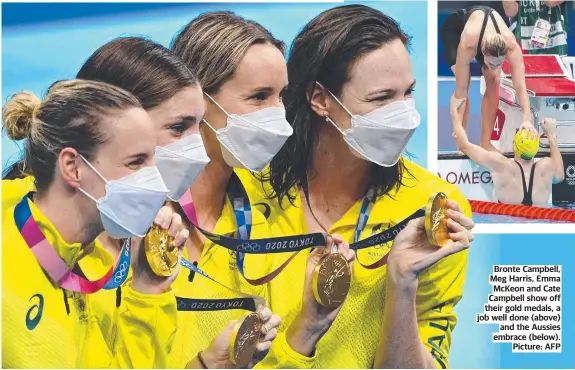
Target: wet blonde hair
[68,117]
[214,44]
[495,46]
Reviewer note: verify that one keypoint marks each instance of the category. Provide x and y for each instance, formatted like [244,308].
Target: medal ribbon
[244,245]
[373,240]
[47,256]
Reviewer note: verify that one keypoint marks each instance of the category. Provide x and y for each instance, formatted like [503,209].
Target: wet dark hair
[325,51]
[148,70]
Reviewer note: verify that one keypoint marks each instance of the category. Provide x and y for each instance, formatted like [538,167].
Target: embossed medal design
[161,253]
[245,338]
[436,220]
[331,279]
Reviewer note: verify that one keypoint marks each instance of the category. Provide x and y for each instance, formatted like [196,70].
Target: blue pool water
[480,218]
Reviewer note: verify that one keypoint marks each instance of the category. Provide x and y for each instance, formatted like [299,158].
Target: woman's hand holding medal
[328,274]
[169,233]
[412,252]
[217,355]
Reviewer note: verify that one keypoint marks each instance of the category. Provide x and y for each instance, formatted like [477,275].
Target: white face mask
[250,141]
[381,135]
[494,62]
[180,163]
[131,203]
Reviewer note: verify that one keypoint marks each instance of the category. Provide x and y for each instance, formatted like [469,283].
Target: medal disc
[436,220]
[161,253]
[331,279]
[244,340]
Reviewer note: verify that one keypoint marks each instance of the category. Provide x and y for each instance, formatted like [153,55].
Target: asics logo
[267,210]
[36,310]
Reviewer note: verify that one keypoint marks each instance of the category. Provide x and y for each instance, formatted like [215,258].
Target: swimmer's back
[508,182]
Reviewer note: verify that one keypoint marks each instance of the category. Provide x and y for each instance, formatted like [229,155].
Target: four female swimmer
[223,144]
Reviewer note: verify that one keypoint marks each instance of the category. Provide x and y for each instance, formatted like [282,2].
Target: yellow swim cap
[525,144]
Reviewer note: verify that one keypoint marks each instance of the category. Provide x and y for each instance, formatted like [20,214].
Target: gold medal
[161,253]
[436,220]
[244,340]
[331,279]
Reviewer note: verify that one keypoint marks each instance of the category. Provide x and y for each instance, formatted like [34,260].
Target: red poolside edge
[517,210]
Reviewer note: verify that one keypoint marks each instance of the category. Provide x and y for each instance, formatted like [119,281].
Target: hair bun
[18,114]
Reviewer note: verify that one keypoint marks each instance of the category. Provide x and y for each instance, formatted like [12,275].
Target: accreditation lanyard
[53,264]
[245,301]
[244,245]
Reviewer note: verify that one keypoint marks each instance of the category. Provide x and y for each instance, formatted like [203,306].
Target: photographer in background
[542,25]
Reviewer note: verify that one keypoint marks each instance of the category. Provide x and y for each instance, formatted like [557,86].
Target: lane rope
[518,210]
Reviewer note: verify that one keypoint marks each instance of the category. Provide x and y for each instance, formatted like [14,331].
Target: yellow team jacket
[45,327]
[352,340]
[196,330]
[14,190]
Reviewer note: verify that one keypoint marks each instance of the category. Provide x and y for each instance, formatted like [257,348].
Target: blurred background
[42,43]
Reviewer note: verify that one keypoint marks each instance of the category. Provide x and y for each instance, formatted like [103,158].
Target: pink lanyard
[47,257]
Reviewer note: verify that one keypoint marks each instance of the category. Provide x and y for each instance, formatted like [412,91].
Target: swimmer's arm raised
[511,8]
[515,59]
[557,160]
[465,55]
[490,160]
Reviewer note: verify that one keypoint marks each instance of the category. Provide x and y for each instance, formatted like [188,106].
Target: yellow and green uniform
[352,340]
[46,327]
[14,190]
[196,330]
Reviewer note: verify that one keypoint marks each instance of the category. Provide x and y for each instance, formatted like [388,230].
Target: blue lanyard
[121,271]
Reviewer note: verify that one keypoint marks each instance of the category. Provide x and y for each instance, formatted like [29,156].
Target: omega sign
[475,182]
[467,177]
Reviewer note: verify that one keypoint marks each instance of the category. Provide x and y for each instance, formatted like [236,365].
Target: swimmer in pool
[510,175]
[479,32]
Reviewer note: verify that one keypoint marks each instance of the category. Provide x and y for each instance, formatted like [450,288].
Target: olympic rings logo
[121,272]
[570,174]
[249,247]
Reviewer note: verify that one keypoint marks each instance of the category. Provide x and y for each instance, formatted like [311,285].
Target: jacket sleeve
[282,356]
[440,289]
[137,333]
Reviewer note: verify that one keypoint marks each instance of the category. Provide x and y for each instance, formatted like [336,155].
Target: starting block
[550,81]
[551,88]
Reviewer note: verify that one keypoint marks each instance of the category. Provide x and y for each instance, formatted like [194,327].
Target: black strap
[530,189]
[494,22]
[527,200]
[483,26]
[488,14]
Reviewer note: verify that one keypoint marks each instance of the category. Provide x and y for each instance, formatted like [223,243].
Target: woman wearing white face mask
[172,96]
[244,127]
[351,105]
[90,150]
